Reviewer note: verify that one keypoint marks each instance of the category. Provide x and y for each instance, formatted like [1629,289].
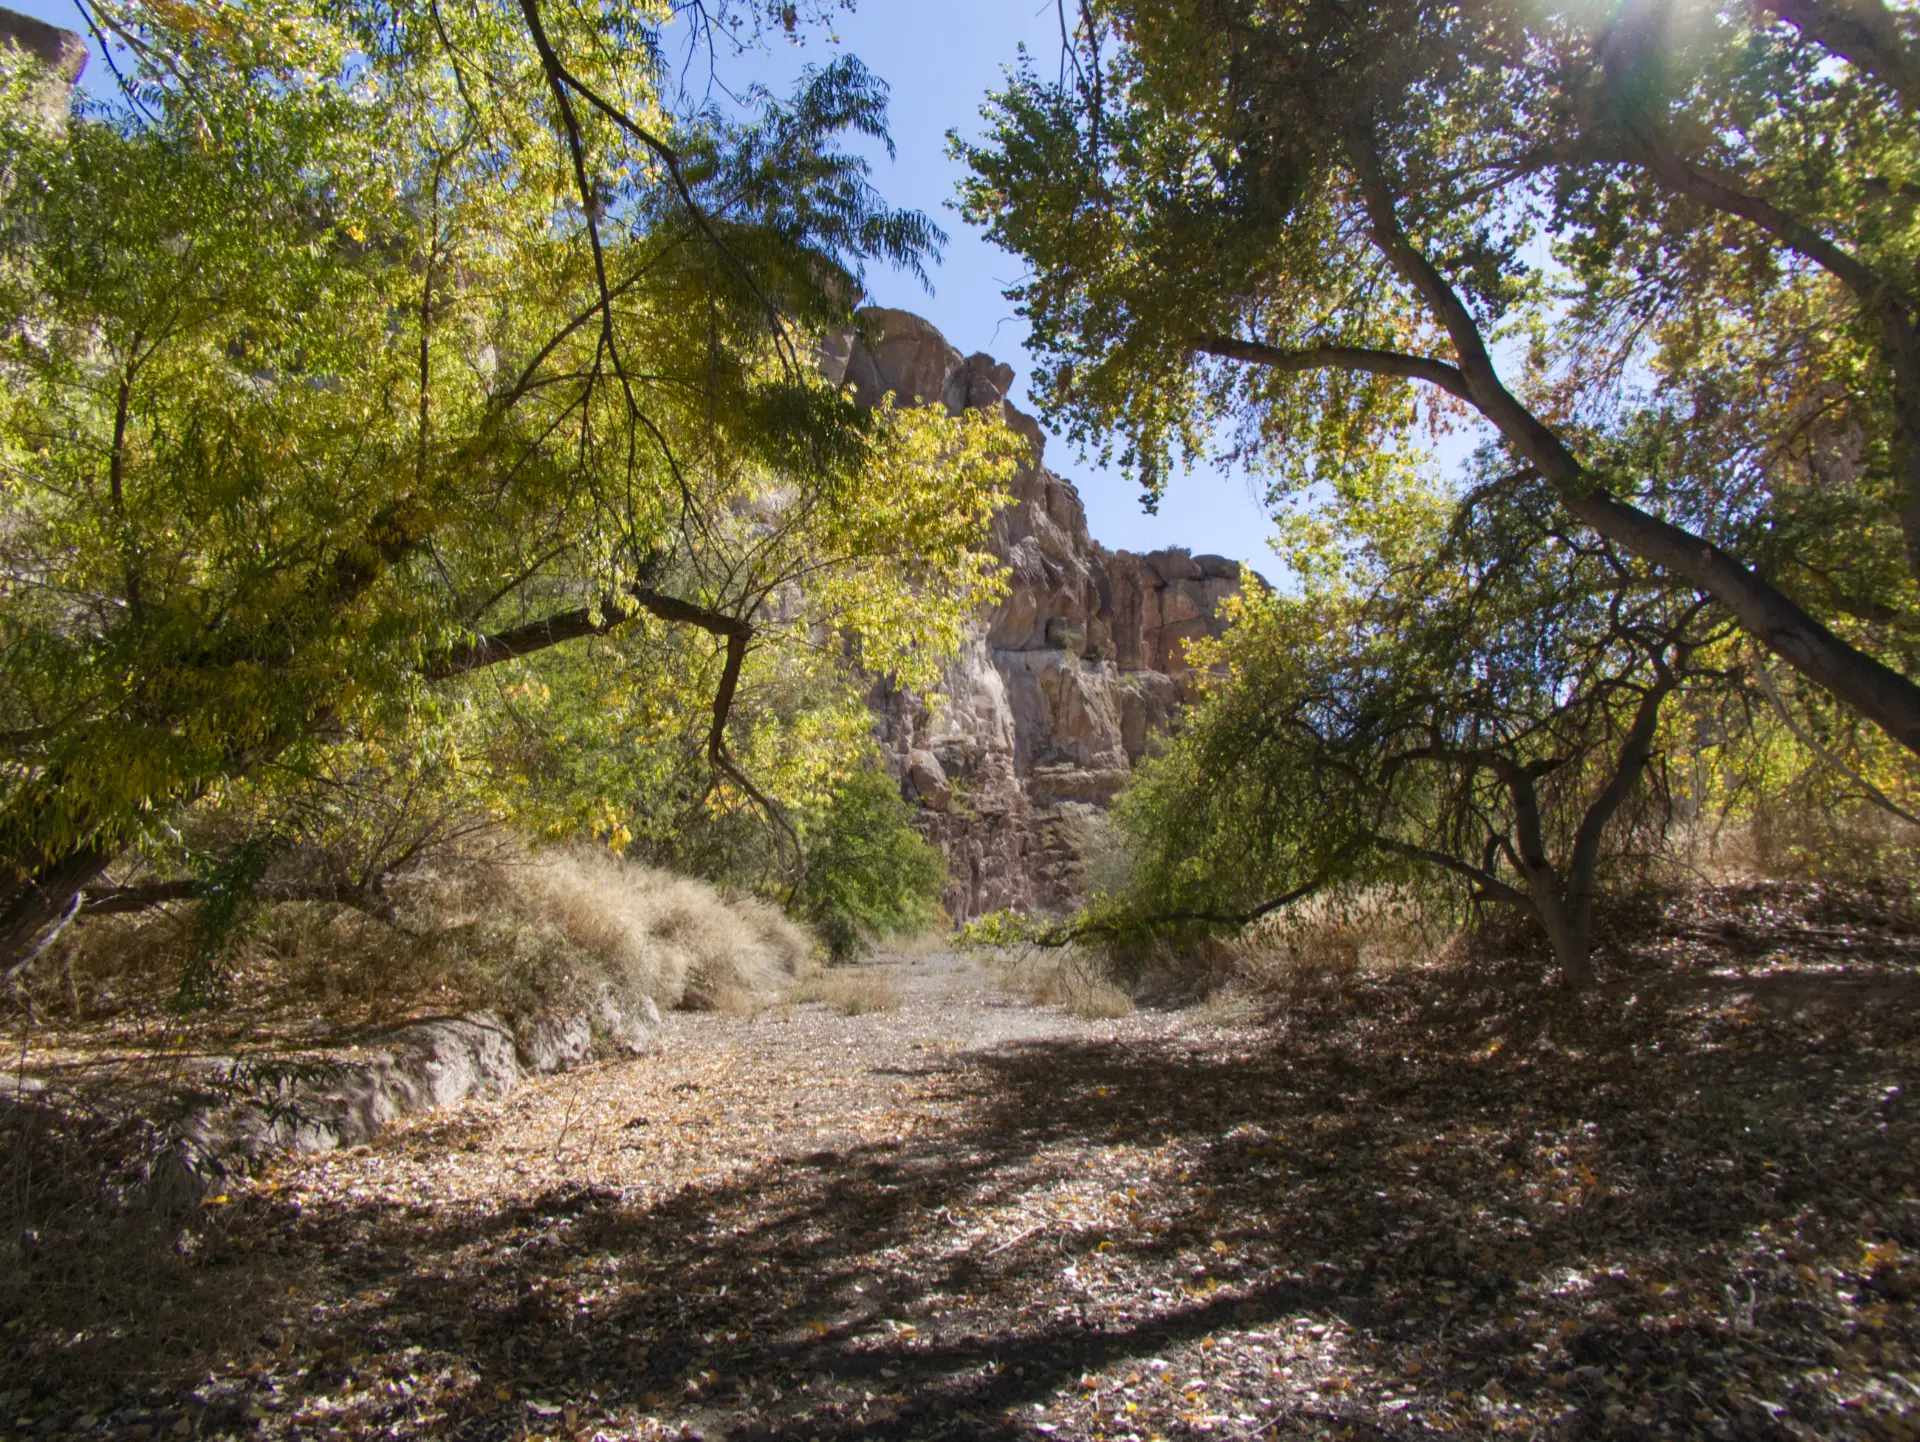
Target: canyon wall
[1062,685]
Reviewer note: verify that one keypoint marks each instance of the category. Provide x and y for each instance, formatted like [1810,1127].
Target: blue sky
[940,60]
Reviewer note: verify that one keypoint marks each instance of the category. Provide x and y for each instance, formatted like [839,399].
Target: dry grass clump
[643,931]
[516,933]
[1325,946]
[934,941]
[1792,839]
[849,990]
[1065,977]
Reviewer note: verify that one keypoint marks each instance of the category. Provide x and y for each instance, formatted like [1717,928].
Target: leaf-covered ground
[1441,1201]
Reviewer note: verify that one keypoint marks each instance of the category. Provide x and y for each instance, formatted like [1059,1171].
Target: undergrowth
[511,932]
[849,990]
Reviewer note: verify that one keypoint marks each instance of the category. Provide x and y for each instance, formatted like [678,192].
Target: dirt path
[1399,1211]
[728,1095]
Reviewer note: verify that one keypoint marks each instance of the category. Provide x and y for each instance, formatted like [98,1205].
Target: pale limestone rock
[418,1067]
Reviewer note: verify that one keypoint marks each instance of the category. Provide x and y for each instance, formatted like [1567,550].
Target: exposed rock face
[1064,683]
[62,52]
[421,1066]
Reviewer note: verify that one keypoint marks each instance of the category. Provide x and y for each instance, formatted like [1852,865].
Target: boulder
[929,780]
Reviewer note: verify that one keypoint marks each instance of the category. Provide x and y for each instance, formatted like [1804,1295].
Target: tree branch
[1878,692]
[1864,33]
[563,79]
[1339,357]
[1065,936]
[1637,749]
[584,621]
[1878,295]
[1490,885]
[1807,739]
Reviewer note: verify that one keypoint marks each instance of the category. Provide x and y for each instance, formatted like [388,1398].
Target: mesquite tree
[1308,224]
[358,349]
[1476,712]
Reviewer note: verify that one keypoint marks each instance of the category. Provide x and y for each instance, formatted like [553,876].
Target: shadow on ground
[1681,1206]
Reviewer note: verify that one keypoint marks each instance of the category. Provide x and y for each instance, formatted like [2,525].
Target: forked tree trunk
[1563,902]
[1569,931]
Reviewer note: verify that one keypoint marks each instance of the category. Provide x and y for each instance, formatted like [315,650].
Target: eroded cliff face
[1063,684]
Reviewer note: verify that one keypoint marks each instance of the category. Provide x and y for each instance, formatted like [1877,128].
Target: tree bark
[43,898]
[1877,691]
[1570,935]
[1583,863]
[1879,297]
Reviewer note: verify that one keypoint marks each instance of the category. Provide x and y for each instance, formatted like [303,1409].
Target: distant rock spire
[1062,684]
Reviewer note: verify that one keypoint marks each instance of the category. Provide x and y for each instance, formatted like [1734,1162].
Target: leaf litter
[1438,1200]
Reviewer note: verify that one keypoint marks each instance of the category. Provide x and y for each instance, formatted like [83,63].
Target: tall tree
[362,347]
[1471,711]
[1282,216]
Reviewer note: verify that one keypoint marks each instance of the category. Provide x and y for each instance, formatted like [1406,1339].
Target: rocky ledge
[215,1118]
[1063,685]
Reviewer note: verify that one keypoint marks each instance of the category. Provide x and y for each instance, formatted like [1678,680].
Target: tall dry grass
[849,990]
[649,932]
[1067,977]
[1793,840]
[513,931]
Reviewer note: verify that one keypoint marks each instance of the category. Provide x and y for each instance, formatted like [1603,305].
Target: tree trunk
[1569,929]
[44,897]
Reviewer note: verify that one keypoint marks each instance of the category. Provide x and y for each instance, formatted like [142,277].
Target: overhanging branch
[1339,357]
[1064,936]
[582,622]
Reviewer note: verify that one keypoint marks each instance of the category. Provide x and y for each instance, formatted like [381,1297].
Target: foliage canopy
[1268,218]
[1661,253]
[361,355]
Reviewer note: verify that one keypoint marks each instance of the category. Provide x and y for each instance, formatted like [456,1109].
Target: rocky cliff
[62,52]
[1062,685]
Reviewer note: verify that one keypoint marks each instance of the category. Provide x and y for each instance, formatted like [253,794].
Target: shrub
[514,932]
[1077,981]
[869,873]
[645,932]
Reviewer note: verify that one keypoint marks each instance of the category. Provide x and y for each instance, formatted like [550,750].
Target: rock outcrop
[61,52]
[1063,684]
[341,1101]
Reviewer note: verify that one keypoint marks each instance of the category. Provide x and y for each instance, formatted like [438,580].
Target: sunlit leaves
[320,364]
